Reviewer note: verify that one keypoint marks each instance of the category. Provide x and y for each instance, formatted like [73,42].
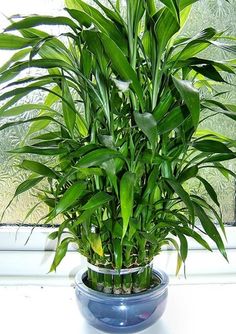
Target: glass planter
[122,313]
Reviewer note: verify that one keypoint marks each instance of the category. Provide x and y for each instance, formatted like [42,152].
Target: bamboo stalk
[142,281]
[89,276]
[93,280]
[108,283]
[100,282]
[117,279]
[127,284]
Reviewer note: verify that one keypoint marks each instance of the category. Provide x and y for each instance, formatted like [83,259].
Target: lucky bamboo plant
[118,132]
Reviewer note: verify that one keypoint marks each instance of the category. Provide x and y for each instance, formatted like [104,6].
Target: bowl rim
[152,292]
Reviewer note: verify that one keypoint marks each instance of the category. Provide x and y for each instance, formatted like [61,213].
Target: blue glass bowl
[122,313]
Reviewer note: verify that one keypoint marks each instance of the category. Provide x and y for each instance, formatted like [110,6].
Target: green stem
[156,82]
[141,281]
[100,282]
[93,280]
[108,283]
[117,279]
[121,284]
[127,284]
[166,166]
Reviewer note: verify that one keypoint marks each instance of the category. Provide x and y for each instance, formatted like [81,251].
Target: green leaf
[84,217]
[110,169]
[54,135]
[191,49]
[190,95]
[122,66]
[173,6]
[53,235]
[163,106]
[147,123]
[179,259]
[39,151]
[210,190]
[166,26]
[29,213]
[38,168]
[104,25]
[115,229]
[152,184]
[61,251]
[173,120]
[16,57]
[27,184]
[191,233]
[183,195]
[228,110]
[185,3]
[111,14]
[211,146]
[97,200]
[212,135]
[97,157]
[37,63]
[204,204]
[226,47]
[183,246]
[127,198]
[220,157]
[23,187]
[210,228]
[34,21]
[68,108]
[188,173]
[84,173]
[52,97]
[95,46]
[80,16]
[15,111]
[209,71]
[12,42]
[70,197]
[225,171]
[117,253]
[30,120]
[200,62]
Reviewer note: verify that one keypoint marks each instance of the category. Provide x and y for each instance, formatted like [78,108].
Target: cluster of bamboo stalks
[120,284]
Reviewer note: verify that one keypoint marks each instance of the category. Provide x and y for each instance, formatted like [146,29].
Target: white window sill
[191,309]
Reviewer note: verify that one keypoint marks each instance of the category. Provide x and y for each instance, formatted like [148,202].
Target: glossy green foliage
[118,133]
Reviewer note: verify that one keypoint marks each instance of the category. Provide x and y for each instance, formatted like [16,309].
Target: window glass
[205,13]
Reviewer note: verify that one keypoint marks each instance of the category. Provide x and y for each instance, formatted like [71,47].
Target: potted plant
[118,140]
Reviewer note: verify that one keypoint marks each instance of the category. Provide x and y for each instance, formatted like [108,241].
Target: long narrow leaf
[182,194]
[210,228]
[147,123]
[122,66]
[34,21]
[13,42]
[190,95]
[97,200]
[97,157]
[71,195]
[38,168]
[126,198]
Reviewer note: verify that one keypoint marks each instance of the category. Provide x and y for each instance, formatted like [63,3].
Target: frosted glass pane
[205,13]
